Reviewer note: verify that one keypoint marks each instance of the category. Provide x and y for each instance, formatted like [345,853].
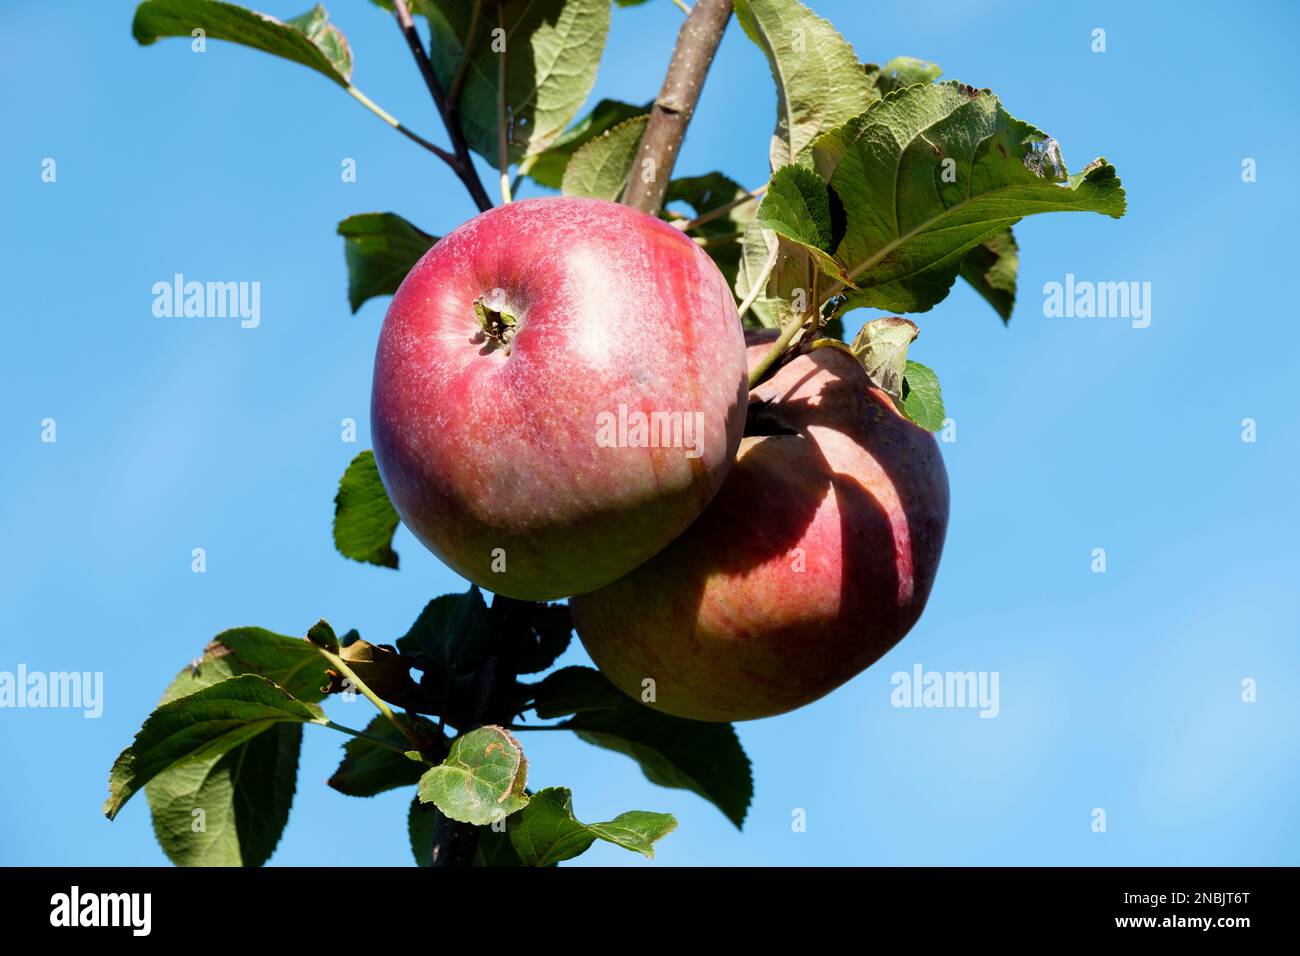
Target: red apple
[559,391]
[814,559]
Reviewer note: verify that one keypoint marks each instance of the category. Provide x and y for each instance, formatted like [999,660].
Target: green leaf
[208,723]
[482,779]
[575,690]
[246,793]
[364,517]
[322,635]
[369,768]
[308,39]
[229,810]
[601,167]
[705,758]
[315,26]
[290,662]
[922,402]
[757,247]
[819,82]
[548,630]
[881,347]
[495,849]
[902,72]
[451,636]
[547,832]
[991,266]
[547,167]
[388,674]
[421,818]
[797,206]
[911,217]
[380,249]
[552,50]
[991,269]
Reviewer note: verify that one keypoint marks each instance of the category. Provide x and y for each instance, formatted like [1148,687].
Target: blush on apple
[559,391]
[814,559]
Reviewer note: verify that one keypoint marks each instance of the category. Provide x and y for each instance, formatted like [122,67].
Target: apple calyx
[498,327]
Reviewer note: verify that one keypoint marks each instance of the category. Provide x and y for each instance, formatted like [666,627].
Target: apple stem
[778,348]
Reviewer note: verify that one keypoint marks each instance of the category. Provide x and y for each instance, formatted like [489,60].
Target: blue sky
[1119,691]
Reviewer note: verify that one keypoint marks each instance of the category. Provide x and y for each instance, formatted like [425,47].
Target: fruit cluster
[561,408]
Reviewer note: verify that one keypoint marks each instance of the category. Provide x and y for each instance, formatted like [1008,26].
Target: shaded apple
[815,558]
[559,391]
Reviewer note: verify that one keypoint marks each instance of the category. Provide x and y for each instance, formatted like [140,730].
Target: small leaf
[369,768]
[364,517]
[991,269]
[308,39]
[547,167]
[315,26]
[388,674]
[322,635]
[482,779]
[546,636]
[797,207]
[902,72]
[705,758]
[600,168]
[547,832]
[881,347]
[208,723]
[922,402]
[819,82]
[380,249]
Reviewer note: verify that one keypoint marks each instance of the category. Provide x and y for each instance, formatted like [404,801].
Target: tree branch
[463,165]
[455,844]
[697,42]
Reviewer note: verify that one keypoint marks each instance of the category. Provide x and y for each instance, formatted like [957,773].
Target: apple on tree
[815,558]
[510,363]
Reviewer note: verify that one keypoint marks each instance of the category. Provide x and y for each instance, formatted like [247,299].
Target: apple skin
[815,558]
[482,448]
